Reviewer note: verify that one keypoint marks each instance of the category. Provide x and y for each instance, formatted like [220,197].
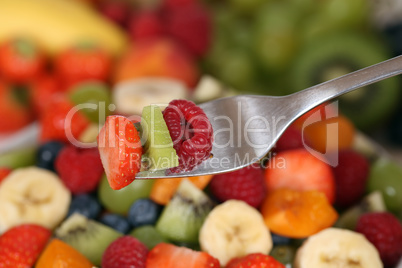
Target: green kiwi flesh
[159,151]
[89,237]
[183,216]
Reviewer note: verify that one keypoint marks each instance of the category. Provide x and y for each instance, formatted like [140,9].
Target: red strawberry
[290,139]
[20,246]
[166,255]
[14,112]
[56,123]
[245,184]
[120,149]
[125,251]
[255,260]
[145,24]
[385,232]
[299,170]
[351,176]
[21,60]
[190,25]
[4,173]
[79,169]
[43,91]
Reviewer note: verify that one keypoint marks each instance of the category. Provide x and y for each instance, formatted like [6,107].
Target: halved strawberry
[120,149]
[299,170]
[166,255]
[21,245]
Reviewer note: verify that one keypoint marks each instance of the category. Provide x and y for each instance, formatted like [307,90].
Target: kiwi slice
[184,215]
[373,202]
[159,151]
[340,53]
[89,237]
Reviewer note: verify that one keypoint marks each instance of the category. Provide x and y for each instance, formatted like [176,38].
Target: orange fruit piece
[323,111]
[297,214]
[299,170]
[329,135]
[59,254]
[163,189]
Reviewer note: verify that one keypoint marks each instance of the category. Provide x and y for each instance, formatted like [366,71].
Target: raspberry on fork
[190,131]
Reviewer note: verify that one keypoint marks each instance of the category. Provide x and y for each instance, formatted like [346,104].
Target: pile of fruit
[321,198]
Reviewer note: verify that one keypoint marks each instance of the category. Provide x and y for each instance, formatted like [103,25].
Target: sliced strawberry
[120,148]
[255,260]
[299,170]
[166,255]
[20,246]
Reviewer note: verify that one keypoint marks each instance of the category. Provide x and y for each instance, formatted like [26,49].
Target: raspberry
[125,251]
[290,139]
[79,169]
[245,184]
[145,25]
[190,131]
[351,176]
[385,232]
[189,25]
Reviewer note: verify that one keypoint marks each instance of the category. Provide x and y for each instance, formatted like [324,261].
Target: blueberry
[143,212]
[47,153]
[280,240]
[116,221]
[86,205]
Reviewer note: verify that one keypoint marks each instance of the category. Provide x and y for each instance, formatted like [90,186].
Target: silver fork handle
[316,95]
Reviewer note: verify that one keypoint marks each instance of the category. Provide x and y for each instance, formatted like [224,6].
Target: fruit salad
[84,207]
[124,100]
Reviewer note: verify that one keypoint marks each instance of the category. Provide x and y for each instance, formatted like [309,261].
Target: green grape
[246,7]
[275,38]
[92,93]
[19,158]
[346,14]
[148,235]
[119,201]
[386,177]
[238,70]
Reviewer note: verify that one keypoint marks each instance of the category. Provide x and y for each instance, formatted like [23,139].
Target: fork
[246,127]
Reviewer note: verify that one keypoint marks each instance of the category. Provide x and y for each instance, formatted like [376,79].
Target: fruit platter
[92,92]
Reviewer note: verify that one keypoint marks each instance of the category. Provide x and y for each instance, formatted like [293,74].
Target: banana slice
[210,88]
[234,229]
[131,96]
[334,247]
[32,195]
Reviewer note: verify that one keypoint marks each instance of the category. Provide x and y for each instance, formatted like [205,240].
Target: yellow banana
[58,24]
